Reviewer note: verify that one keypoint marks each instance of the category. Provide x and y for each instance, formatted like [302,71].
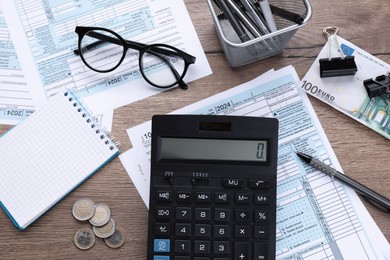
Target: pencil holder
[288,15]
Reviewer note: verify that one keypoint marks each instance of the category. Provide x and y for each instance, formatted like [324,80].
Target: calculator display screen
[213,149]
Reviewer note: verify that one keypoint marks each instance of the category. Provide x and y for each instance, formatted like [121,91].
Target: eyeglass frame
[141,47]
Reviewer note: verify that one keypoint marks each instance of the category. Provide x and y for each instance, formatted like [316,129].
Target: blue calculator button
[161,245]
[161,257]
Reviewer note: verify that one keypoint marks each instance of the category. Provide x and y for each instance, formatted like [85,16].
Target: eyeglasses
[161,65]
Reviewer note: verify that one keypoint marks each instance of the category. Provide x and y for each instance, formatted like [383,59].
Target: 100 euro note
[347,93]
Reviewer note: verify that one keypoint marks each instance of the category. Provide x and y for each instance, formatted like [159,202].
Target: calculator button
[182,246]
[242,215]
[261,199]
[183,213]
[161,245]
[222,197]
[182,258]
[162,229]
[201,247]
[183,230]
[203,197]
[163,213]
[260,251]
[161,257]
[221,231]
[183,196]
[202,230]
[261,216]
[221,214]
[241,251]
[221,247]
[242,231]
[259,184]
[233,183]
[202,214]
[243,198]
[261,232]
[163,196]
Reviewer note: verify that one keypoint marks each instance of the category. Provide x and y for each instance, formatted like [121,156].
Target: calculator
[212,188]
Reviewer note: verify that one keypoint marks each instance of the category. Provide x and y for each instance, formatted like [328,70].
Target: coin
[84,238]
[117,239]
[101,216]
[83,209]
[106,230]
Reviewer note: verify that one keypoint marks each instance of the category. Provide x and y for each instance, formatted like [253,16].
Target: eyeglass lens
[161,65]
[99,54]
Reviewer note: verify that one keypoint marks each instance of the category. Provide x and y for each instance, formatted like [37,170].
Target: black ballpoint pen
[360,188]
[293,17]
[244,18]
[237,26]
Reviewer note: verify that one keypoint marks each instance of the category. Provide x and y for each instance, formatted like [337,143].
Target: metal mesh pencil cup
[240,53]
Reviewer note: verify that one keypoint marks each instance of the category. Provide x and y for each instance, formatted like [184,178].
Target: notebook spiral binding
[112,142]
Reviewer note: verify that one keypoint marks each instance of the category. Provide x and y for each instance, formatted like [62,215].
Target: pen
[360,188]
[244,18]
[255,16]
[266,10]
[293,17]
[233,20]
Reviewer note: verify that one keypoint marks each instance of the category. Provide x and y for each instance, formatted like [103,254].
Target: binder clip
[336,66]
[378,86]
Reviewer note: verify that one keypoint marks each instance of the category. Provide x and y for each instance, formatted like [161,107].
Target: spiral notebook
[48,155]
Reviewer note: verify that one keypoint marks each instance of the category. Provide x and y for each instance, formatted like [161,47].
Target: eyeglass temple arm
[138,46]
[134,45]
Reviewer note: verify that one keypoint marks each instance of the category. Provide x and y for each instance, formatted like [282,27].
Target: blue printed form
[317,217]
[44,31]
[15,99]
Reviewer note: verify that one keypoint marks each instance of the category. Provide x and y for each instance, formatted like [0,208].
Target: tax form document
[347,94]
[15,99]
[44,36]
[317,217]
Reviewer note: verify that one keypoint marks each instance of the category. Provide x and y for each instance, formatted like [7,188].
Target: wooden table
[363,154]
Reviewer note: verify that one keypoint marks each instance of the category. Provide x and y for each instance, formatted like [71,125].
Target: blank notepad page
[48,155]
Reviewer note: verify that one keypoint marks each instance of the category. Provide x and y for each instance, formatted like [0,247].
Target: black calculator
[212,188]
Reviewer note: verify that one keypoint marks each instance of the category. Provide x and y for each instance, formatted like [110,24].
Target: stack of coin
[103,225]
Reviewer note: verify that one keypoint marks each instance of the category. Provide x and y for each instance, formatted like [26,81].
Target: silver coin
[83,209]
[101,216]
[117,239]
[106,230]
[84,238]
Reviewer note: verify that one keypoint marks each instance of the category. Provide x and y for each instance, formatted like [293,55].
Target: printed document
[16,102]
[15,99]
[317,217]
[347,93]
[44,36]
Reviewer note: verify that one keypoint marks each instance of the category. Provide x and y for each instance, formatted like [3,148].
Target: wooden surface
[363,154]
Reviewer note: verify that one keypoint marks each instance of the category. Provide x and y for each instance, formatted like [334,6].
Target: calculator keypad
[212,219]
